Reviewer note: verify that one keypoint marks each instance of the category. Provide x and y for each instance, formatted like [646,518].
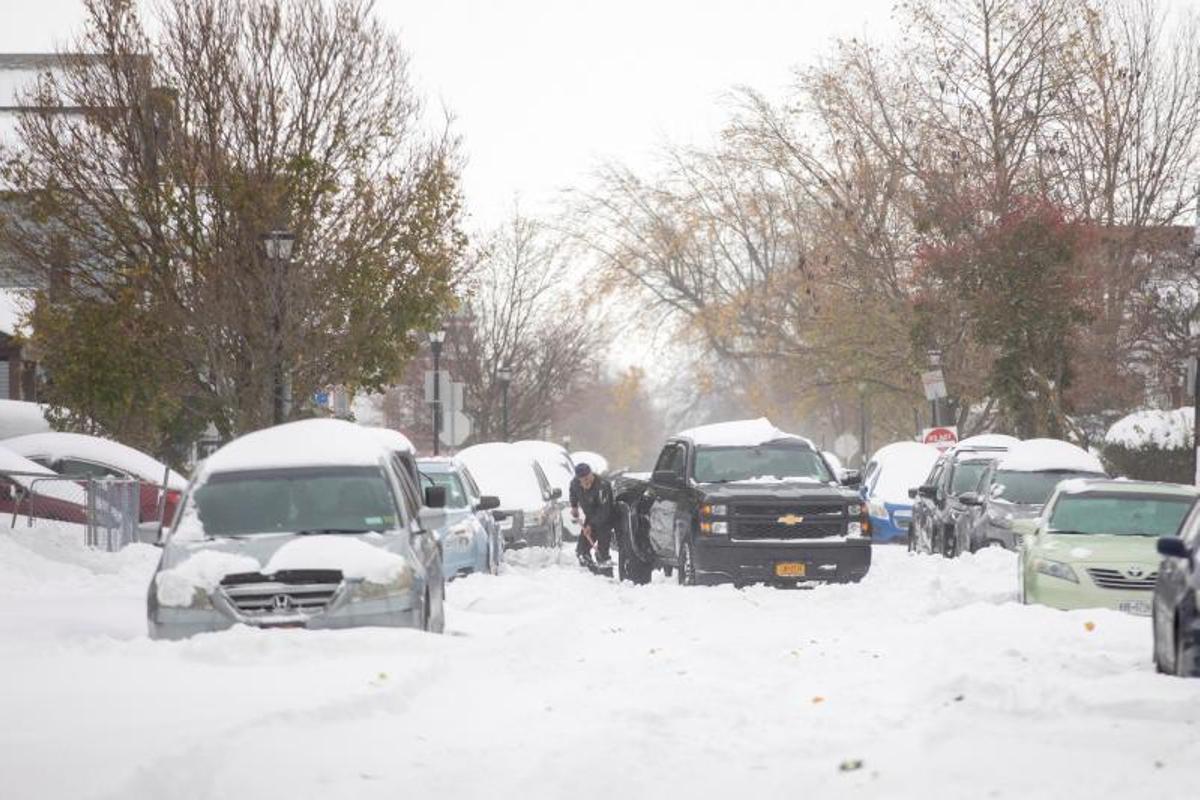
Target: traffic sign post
[943,438]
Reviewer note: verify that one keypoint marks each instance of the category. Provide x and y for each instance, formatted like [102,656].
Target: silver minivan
[304,525]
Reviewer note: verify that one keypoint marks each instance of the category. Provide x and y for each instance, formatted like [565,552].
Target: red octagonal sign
[941,438]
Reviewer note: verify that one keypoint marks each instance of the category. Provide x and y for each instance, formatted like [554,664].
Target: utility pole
[278,246]
[504,376]
[435,342]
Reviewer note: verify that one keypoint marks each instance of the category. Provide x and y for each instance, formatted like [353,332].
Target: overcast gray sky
[543,89]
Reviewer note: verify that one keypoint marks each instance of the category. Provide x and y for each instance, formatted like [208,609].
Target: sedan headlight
[1055,569]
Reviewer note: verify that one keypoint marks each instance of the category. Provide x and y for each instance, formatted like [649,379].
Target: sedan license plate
[1140,608]
[790,569]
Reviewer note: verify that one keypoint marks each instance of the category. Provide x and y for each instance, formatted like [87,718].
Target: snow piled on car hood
[742,432]
[350,554]
[61,445]
[1153,428]
[1044,455]
[203,570]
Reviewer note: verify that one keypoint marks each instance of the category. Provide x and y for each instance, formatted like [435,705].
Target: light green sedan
[1094,544]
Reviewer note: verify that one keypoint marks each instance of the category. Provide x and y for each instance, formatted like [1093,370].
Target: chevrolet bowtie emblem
[790,519]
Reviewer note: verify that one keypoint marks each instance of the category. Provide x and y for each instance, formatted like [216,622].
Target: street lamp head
[437,337]
[278,244]
[504,375]
[935,357]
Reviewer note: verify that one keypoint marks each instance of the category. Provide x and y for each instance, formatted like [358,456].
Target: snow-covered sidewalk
[926,680]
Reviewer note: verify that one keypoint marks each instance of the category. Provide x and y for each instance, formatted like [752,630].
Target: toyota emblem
[1135,572]
[281,602]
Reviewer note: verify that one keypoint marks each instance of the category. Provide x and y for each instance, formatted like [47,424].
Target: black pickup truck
[743,503]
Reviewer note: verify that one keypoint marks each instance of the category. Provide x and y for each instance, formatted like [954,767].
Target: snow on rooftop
[742,432]
[1044,455]
[391,439]
[307,443]
[986,441]
[56,445]
[1153,428]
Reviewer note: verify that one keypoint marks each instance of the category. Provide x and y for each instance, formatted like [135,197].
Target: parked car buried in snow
[936,506]
[559,469]
[1095,546]
[1176,602]
[300,525]
[892,471]
[1013,490]
[529,511]
[470,539]
[83,456]
[27,489]
[741,502]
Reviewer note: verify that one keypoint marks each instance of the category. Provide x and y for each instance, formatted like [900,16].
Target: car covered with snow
[82,456]
[936,504]
[529,510]
[30,490]
[300,525]
[470,538]
[741,502]
[1096,543]
[1014,488]
[559,469]
[890,474]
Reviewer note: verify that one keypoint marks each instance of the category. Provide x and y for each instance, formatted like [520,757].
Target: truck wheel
[667,570]
[629,566]
[1187,663]
[949,543]
[687,564]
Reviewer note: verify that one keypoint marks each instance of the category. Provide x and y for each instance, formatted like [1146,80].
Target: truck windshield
[324,500]
[1130,515]
[765,462]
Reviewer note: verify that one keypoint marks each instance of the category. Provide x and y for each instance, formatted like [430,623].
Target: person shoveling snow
[593,495]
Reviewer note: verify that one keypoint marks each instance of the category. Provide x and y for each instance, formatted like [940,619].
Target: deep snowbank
[554,683]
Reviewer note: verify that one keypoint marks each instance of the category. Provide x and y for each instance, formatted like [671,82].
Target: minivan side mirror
[1173,547]
[927,490]
[487,503]
[970,499]
[555,493]
[435,496]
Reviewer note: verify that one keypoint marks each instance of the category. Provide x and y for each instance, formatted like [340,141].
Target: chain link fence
[111,512]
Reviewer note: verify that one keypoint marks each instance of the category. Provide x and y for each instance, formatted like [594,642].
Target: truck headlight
[715,528]
[714,510]
[854,510]
[854,529]
[1055,569]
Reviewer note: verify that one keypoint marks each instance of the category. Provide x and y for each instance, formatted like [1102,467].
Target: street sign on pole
[457,429]
[935,384]
[443,389]
[943,438]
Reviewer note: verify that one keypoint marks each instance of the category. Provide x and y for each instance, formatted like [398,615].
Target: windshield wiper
[328,531]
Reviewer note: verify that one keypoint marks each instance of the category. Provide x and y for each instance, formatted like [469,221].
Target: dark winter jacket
[596,503]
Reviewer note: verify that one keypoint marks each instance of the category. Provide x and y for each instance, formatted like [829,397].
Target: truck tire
[1187,659]
[687,564]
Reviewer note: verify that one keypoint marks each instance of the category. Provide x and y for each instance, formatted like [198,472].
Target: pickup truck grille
[775,520]
[1115,579]
[288,592]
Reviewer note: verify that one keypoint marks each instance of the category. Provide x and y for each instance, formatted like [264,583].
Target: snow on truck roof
[307,443]
[1045,455]
[738,433]
[61,445]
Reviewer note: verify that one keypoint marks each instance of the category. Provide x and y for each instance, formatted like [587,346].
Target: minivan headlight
[1055,569]
[369,590]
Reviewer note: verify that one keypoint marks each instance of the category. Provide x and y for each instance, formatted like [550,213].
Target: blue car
[894,470]
[470,539]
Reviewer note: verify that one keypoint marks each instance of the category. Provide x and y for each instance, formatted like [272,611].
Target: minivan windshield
[768,462]
[1127,515]
[310,500]
[966,476]
[1032,488]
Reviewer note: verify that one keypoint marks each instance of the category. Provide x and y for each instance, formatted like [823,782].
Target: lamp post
[435,342]
[278,246]
[935,363]
[504,376]
[862,423]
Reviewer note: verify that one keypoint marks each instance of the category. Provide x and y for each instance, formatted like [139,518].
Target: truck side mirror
[435,496]
[970,499]
[665,477]
[927,490]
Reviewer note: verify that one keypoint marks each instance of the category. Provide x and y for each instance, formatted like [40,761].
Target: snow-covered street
[925,680]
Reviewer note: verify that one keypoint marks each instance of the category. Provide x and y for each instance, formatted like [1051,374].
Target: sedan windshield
[456,497]
[324,500]
[1128,515]
[728,464]
[1032,488]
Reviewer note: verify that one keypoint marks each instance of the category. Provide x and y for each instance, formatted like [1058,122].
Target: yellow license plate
[789,570]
